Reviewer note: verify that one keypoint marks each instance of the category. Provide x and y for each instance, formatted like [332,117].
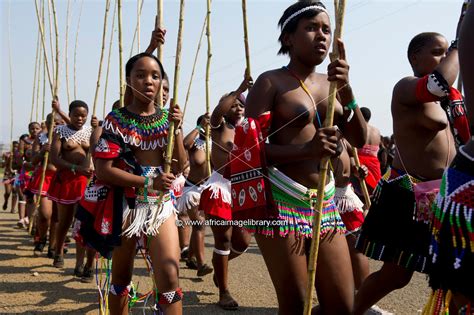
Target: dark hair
[15,142]
[419,41]
[33,123]
[200,118]
[293,23]
[131,62]
[366,113]
[165,77]
[23,136]
[78,104]
[116,105]
[49,119]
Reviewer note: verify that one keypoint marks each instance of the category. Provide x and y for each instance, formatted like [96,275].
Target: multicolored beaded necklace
[144,132]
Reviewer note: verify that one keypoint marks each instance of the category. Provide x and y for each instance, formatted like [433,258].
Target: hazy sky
[376,33]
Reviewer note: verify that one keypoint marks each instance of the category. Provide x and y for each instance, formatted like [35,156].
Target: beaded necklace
[144,132]
[82,135]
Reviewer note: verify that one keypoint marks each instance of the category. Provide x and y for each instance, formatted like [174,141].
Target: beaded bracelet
[351,106]
[145,190]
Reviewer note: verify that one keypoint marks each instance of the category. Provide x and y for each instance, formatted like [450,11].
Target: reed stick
[313,256]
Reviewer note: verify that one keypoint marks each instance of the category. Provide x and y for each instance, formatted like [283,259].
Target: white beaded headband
[311,7]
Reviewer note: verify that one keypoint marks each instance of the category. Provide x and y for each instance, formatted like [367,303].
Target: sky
[376,34]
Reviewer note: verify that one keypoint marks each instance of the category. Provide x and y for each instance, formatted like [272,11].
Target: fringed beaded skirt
[452,239]
[390,232]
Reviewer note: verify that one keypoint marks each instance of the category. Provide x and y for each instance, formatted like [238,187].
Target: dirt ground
[56,291]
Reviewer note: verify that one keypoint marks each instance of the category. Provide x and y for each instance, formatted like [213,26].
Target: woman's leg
[52,229]
[220,261]
[6,195]
[240,242]
[122,270]
[197,236]
[334,277]
[165,255]
[65,216]
[43,221]
[14,200]
[360,262]
[21,206]
[380,283]
[184,233]
[286,264]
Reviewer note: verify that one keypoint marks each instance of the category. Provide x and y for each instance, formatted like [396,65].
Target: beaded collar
[144,132]
[200,144]
[43,138]
[77,136]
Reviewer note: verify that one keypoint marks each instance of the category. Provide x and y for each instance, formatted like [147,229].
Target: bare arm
[188,141]
[106,172]
[226,102]
[57,108]
[466,53]
[109,174]
[355,127]
[56,154]
[94,139]
[180,155]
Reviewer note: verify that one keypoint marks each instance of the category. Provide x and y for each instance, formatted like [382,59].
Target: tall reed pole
[246,37]
[159,23]
[323,166]
[66,51]
[137,28]
[38,86]
[75,49]
[177,68]
[11,79]
[122,79]
[108,59]
[194,66]
[33,98]
[104,34]
[208,90]
[54,92]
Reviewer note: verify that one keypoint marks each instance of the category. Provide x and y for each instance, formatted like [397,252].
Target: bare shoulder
[403,87]
[270,77]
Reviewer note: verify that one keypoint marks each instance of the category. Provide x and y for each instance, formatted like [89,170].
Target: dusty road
[55,291]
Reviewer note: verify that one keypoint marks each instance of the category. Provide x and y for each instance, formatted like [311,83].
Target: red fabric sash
[373,165]
[250,189]
[456,112]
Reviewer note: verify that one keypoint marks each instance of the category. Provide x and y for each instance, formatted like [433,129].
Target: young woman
[188,203]
[9,178]
[69,155]
[296,96]
[396,230]
[216,199]
[452,240]
[26,203]
[129,159]
[40,147]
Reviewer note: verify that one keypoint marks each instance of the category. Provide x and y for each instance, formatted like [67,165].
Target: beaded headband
[316,7]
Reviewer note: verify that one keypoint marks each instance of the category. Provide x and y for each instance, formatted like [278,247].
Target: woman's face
[166,91]
[145,80]
[236,112]
[78,117]
[311,41]
[430,56]
[34,130]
